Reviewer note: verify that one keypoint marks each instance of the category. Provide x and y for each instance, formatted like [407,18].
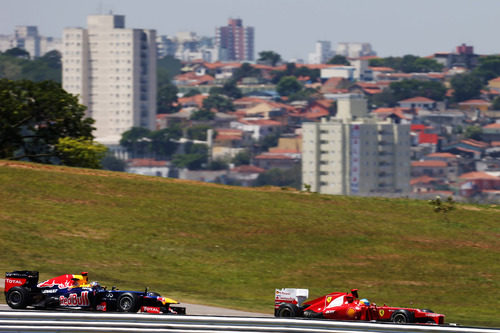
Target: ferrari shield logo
[381,313]
[329,299]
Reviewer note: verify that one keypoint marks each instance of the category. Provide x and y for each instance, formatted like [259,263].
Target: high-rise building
[235,42]
[355,50]
[26,37]
[113,71]
[322,52]
[355,155]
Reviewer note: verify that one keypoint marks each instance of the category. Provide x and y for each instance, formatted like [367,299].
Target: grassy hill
[232,246]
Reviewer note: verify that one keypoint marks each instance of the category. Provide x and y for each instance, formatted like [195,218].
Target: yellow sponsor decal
[381,313]
[328,299]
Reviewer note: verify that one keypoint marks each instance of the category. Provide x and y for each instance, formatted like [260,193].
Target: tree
[277,177]
[192,92]
[408,64]
[288,85]
[112,163]
[17,53]
[465,87]
[246,70]
[242,158]
[202,115]
[496,103]
[338,60]
[136,140]
[218,102]
[80,152]
[166,68]
[230,89]
[167,98]
[35,116]
[269,57]
[473,132]
[412,88]
[194,158]
[198,132]
[163,143]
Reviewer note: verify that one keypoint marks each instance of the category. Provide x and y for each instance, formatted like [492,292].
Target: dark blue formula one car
[73,291]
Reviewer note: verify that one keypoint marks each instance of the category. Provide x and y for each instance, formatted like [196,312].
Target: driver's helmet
[364,301]
[94,284]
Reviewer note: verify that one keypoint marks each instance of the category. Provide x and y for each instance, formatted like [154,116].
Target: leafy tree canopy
[34,117]
[218,102]
[408,64]
[15,64]
[167,98]
[242,158]
[466,86]
[166,68]
[141,142]
[269,57]
[80,152]
[278,177]
[194,158]
[338,60]
[288,85]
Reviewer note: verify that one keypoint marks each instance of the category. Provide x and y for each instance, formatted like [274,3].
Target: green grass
[232,246]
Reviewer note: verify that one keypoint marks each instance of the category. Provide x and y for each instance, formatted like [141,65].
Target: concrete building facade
[113,71]
[356,155]
[322,52]
[235,42]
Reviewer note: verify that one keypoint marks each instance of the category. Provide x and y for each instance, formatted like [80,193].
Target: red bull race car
[290,302]
[73,291]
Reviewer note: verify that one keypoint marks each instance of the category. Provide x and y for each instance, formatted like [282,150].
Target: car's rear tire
[128,302]
[17,297]
[287,311]
[401,317]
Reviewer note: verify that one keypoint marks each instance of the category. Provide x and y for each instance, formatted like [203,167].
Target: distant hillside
[232,246]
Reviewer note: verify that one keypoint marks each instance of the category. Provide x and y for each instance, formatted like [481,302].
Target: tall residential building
[355,155]
[235,42]
[355,50]
[26,37]
[322,52]
[113,71]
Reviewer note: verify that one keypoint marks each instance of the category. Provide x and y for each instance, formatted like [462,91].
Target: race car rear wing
[20,278]
[290,295]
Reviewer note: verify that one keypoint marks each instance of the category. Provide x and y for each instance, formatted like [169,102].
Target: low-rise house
[244,175]
[425,184]
[438,169]
[397,114]
[450,159]
[418,103]
[278,159]
[474,104]
[491,132]
[259,128]
[476,183]
[467,148]
[148,167]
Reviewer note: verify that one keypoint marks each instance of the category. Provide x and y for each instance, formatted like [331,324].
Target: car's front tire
[401,317]
[17,297]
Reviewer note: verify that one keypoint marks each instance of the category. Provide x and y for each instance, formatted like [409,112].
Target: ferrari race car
[289,302]
[75,292]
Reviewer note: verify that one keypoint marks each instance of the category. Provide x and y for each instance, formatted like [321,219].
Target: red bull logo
[75,300]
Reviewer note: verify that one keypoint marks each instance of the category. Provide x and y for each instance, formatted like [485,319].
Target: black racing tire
[401,317]
[17,297]
[287,311]
[128,302]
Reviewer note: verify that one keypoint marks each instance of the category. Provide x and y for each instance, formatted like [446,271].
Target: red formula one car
[290,302]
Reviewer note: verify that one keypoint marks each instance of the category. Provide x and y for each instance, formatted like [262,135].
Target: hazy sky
[289,27]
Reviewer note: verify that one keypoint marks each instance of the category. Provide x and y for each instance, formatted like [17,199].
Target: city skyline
[290,28]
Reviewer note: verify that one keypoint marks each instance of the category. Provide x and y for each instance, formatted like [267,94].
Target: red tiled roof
[274,157]
[419,99]
[422,180]
[146,162]
[428,138]
[443,155]
[497,79]
[418,127]
[276,150]
[478,175]
[475,143]
[495,143]
[494,125]
[196,99]
[429,164]
[474,102]
[381,69]
[260,122]
[247,169]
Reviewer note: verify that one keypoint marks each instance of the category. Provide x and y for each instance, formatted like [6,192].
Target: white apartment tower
[113,71]
[355,155]
[322,52]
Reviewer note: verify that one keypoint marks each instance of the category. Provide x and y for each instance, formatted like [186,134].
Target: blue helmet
[364,301]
